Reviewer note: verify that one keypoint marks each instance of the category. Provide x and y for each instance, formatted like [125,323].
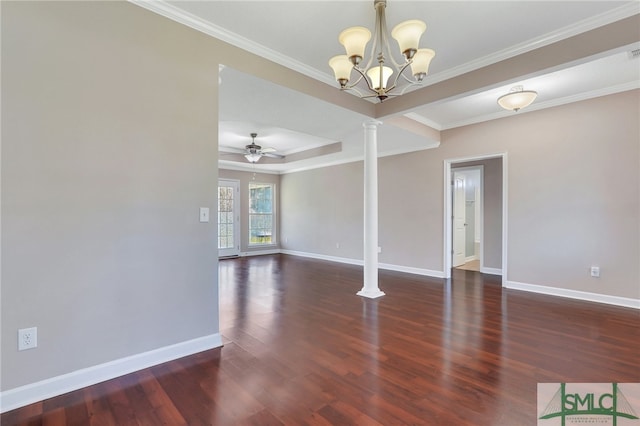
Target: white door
[459,218]
[228,217]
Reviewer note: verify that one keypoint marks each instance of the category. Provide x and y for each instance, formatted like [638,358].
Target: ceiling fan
[253,152]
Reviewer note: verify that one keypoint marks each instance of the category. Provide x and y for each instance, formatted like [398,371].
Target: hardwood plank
[302,349]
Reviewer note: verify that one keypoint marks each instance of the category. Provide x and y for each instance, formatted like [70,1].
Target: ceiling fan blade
[232,149]
[272,155]
[263,150]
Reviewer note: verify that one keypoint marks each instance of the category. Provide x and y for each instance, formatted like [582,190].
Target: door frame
[448,210]
[478,219]
[235,184]
[454,212]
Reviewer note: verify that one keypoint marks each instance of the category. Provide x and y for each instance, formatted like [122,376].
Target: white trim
[260,252]
[241,167]
[49,388]
[583,26]
[190,20]
[597,93]
[423,120]
[492,271]
[471,258]
[412,270]
[235,185]
[346,260]
[575,294]
[505,217]
[350,261]
[447,232]
[176,14]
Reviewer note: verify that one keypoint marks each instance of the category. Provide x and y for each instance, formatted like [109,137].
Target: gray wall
[109,148]
[573,198]
[322,209]
[245,178]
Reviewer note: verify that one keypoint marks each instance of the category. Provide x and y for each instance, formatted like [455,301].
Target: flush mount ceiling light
[517,98]
[377,77]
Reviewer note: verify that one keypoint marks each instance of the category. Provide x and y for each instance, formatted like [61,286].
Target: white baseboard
[492,271]
[346,260]
[386,266]
[575,294]
[412,270]
[260,252]
[470,258]
[48,388]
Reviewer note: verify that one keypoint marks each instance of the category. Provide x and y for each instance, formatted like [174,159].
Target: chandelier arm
[363,77]
[354,89]
[384,40]
[354,83]
[400,73]
[411,84]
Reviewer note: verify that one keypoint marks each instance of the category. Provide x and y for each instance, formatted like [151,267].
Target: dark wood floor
[301,348]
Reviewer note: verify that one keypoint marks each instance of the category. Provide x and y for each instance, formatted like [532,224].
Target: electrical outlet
[595,271]
[27,338]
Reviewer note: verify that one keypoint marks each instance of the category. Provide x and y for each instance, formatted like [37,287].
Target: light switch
[204,214]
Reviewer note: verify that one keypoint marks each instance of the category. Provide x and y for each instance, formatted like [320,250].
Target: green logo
[586,402]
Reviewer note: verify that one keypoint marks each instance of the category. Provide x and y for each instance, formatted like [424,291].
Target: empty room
[318,212]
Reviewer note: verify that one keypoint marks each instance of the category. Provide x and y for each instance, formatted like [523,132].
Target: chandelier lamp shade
[383,75]
[517,98]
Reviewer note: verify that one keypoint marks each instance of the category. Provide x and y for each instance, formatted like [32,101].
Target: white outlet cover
[27,338]
[204,214]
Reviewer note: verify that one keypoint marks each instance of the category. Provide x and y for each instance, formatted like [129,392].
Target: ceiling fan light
[420,63]
[355,41]
[253,157]
[374,76]
[408,35]
[341,68]
[517,99]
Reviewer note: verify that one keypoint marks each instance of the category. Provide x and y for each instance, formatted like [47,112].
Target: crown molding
[192,21]
[536,43]
[548,104]
[245,167]
[169,11]
[423,120]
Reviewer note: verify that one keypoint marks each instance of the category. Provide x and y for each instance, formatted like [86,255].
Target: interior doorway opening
[475,214]
[467,217]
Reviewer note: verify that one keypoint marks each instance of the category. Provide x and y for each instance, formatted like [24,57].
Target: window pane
[261,213]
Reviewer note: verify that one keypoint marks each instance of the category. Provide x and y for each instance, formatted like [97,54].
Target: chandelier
[377,77]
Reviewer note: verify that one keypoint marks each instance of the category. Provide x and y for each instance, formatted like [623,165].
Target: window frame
[273,213]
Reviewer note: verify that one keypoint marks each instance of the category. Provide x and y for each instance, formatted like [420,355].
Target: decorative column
[370,288]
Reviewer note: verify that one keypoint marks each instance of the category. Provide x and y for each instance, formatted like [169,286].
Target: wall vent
[634,54]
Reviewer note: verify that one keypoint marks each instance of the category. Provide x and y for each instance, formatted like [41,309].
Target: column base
[371,294]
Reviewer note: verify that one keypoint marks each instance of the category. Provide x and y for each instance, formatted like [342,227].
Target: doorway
[467,217]
[486,243]
[228,218]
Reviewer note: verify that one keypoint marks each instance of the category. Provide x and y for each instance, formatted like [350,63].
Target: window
[228,217]
[261,213]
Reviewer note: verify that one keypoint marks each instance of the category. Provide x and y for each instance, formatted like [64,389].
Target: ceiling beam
[570,50]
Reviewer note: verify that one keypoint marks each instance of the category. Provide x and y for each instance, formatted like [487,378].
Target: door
[228,217]
[459,217]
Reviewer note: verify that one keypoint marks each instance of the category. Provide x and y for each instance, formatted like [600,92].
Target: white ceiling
[466,35]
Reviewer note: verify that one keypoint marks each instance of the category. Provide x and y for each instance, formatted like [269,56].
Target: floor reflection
[249,290]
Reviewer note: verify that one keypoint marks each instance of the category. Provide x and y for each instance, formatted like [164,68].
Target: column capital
[371,124]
